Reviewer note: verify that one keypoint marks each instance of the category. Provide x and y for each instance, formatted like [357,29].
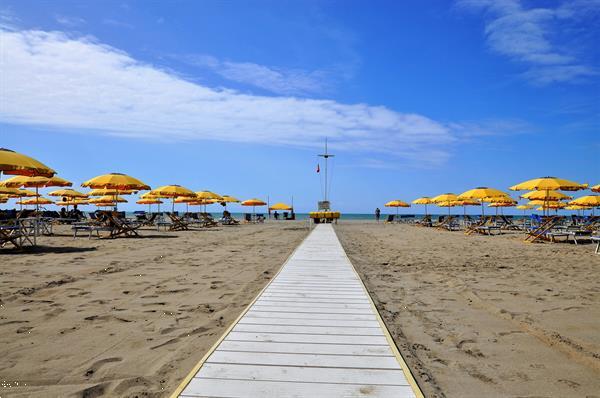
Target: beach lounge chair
[248,218]
[542,230]
[178,223]
[425,221]
[120,226]
[390,219]
[208,220]
[13,234]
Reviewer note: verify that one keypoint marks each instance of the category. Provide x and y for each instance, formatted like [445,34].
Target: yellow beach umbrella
[3,198]
[15,163]
[595,188]
[548,184]
[173,192]
[118,181]
[424,200]
[229,199]
[21,193]
[148,195]
[524,207]
[397,204]
[485,194]
[36,182]
[207,195]
[108,199]
[68,193]
[577,207]
[445,198]
[150,202]
[280,206]
[449,202]
[107,191]
[482,193]
[548,196]
[253,202]
[36,201]
[588,200]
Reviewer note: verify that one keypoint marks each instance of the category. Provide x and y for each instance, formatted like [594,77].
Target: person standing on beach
[377,214]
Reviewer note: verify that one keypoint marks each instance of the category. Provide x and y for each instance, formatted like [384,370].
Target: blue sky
[417,98]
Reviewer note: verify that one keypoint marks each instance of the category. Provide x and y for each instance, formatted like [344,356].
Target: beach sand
[479,316]
[128,317]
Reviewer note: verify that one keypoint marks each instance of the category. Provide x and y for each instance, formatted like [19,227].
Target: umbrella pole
[37,215]
[425,209]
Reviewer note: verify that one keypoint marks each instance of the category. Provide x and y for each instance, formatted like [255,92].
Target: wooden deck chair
[540,232]
[390,219]
[121,227]
[177,223]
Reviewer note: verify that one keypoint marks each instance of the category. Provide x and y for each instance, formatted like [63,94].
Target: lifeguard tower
[324,214]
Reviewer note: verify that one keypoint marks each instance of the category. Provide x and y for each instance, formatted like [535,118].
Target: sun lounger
[540,232]
[178,223]
[390,219]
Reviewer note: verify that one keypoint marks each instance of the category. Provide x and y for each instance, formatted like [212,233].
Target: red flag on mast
[318,168]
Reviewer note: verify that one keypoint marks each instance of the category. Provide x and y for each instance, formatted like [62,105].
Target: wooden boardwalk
[312,332]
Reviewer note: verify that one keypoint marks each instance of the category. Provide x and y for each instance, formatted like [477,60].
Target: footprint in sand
[98,364]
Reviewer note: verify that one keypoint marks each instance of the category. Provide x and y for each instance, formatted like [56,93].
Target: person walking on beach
[377,214]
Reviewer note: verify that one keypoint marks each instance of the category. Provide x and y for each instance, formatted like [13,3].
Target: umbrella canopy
[204,195]
[548,205]
[280,206]
[148,195]
[589,201]
[484,194]
[149,201]
[253,202]
[108,199]
[35,201]
[3,198]
[12,192]
[577,207]
[595,188]
[503,204]
[20,193]
[15,163]
[68,193]
[229,199]
[445,198]
[524,207]
[545,195]
[186,199]
[396,203]
[172,191]
[548,184]
[448,203]
[425,200]
[107,191]
[121,182]
[467,203]
[36,182]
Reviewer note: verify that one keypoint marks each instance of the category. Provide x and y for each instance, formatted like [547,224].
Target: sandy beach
[128,317]
[479,316]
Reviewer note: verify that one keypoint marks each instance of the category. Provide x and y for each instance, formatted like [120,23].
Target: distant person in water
[377,214]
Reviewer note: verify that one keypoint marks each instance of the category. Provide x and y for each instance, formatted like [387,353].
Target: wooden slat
[299,374]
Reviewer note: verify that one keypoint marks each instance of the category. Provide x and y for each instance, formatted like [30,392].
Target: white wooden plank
[307,338]
[240,327]
[349,317]
[243,388]
[330,361]
[299,374]
[308,322]
[305,348]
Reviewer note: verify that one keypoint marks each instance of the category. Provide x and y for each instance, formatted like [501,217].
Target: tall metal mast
[326,156]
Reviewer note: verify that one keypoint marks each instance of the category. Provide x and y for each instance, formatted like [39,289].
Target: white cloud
[70,22]
[276,80]
[525,35]
[54,80]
